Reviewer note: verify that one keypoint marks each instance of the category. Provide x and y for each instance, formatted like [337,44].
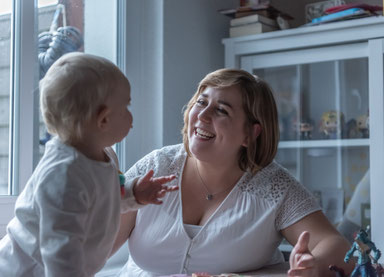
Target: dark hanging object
[57,41]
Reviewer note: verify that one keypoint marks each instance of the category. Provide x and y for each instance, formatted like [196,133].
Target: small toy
[363,125]
[332,123]
[379,270]
[305,130]
[364,246]
[122,182]
[339,271]
[351,129]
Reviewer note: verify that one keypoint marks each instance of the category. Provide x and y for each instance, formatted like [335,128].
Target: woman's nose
[205,115]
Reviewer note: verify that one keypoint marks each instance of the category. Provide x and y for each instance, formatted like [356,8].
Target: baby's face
[121,117]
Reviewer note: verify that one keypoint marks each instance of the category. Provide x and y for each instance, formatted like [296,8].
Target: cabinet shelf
[323,143]
[312,70]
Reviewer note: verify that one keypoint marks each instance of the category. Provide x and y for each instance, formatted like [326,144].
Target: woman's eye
[200,102]
[222,111]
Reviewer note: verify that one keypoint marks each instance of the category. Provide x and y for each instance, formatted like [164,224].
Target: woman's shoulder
[167,153]
[271,182]
[166,159]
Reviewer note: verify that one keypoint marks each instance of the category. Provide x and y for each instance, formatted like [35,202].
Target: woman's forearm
[331,251]
[127,223]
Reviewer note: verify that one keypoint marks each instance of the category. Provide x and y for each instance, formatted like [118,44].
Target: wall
[192,48]
[171,45]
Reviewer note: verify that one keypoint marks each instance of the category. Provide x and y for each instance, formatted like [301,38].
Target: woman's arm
[316,249]
[127,223]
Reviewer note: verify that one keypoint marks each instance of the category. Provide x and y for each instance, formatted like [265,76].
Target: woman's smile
[203,134]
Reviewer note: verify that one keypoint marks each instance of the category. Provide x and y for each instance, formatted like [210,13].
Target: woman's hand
[301,260]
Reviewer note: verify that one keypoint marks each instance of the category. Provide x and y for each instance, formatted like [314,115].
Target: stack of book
[255,19]
[252,24]
[346,12]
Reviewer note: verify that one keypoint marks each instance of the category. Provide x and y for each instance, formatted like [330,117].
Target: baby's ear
[103,117]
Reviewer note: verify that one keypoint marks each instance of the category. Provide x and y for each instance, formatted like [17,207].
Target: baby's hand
[148,190]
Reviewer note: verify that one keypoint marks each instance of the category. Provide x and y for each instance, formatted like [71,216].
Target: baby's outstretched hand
[149,189]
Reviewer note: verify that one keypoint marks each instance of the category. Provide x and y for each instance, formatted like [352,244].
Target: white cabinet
[327,80]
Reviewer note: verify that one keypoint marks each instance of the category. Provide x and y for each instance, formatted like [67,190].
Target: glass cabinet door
[323,110]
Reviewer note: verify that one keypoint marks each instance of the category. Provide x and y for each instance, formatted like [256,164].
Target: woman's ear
[253,134]
[103,117]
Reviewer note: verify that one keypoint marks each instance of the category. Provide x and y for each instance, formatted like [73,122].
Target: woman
[235,203]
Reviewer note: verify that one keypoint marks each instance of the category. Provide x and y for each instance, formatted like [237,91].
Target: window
[27,36]
[5,39]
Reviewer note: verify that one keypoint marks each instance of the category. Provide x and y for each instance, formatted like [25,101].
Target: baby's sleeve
[62,203]
[128,202]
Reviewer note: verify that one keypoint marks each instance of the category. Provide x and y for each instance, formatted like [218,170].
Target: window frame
[24,98]
[22,128]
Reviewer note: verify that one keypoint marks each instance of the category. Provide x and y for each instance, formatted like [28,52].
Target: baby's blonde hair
[74,90]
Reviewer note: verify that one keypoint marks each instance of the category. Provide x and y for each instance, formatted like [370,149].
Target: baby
[67,217]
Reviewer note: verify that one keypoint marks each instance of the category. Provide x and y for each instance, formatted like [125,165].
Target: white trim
[339,32]
[323,143]
[23,124]
[313,55]
[376,119]
[121,59]
[26,91]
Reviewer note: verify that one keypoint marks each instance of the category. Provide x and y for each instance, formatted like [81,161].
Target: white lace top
[241,235]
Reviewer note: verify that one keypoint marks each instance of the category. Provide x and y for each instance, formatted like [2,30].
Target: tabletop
[278,270]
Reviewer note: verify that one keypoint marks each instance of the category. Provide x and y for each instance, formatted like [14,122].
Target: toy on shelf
[331,125]
[362,123]
[351,130]
[364,246]
[304,130]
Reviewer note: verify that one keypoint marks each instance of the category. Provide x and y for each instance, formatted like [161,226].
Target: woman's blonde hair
[74,90]
[260,108]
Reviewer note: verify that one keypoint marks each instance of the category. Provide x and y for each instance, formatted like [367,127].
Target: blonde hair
[259,106]
[73,91]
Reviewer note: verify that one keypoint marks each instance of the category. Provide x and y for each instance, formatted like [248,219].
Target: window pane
[5,39]
[74,25]
[61,28]
[60,32]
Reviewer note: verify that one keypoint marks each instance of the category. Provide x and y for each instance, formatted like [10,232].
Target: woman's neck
[216,176]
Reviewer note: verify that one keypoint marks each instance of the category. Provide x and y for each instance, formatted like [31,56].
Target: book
[341,15]
[264,8]
[250,29]
[253,19]
[265,13]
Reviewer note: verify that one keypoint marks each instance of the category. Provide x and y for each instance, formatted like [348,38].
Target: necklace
[208,195]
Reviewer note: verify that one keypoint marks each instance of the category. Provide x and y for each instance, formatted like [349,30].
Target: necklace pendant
[209,196]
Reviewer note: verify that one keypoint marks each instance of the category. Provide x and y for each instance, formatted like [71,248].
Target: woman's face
[216,125]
